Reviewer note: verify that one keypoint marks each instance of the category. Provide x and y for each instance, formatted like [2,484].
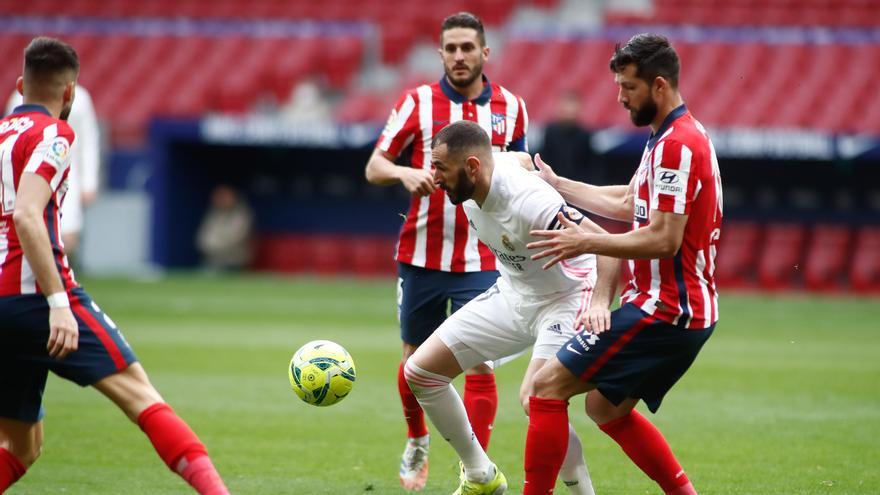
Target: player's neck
[470,91]
[54,108]
[664,109]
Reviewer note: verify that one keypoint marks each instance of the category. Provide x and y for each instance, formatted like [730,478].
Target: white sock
[445,408]
[574,471]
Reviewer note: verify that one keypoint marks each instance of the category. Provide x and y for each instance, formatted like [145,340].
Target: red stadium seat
[827,257]
[864,270]
[779,266]
[735,265]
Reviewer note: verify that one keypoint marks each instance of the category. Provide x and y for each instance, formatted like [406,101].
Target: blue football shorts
[25,362]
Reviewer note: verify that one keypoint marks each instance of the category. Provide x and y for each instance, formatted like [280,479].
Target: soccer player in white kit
[527,307]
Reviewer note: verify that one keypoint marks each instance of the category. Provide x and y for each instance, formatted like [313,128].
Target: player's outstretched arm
[382,171]
[614,202]
[31,199]
[660,239]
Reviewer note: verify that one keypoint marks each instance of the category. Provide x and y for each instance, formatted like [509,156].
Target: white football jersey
[517,203]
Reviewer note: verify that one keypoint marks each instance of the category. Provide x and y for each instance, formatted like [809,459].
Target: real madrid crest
[507,244]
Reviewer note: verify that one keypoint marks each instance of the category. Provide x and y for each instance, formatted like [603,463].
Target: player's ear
[472,165]
[486,51]
[659,85]
[69,91]
[19,85]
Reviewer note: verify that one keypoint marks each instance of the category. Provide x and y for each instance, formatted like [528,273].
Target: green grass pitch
[784,399]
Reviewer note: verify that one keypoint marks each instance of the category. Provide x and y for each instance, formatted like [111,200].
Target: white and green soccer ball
[321,373]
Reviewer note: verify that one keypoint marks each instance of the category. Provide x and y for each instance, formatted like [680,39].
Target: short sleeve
[519,142]
[674,185]
[401,126]
[50,158]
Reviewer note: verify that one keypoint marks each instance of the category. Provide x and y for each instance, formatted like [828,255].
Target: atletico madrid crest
[499,123]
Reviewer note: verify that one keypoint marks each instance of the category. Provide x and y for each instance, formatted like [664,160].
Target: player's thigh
[555,381]
[554,321]
[486,329]
[677,349]
[130,389]
[102,349]
[464,287]
[24,332]
[421,302]
[24,439]
[435,357]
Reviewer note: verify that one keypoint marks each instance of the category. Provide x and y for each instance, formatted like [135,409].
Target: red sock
[481,403]
[11,469]
[647,448]
[180,448]
[546,444]
[412,411]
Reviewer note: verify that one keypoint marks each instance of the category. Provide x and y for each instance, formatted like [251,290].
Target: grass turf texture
[784,399]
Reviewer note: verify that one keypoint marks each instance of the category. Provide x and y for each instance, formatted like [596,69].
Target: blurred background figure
[85,165]
[568,144]
[224,236]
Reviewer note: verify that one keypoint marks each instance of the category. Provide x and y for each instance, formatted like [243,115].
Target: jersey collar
[674,114]
[29,108]
[459,98]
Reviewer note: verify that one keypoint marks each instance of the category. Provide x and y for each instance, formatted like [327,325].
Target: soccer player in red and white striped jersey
[669,307]
[440,260]
[47,321]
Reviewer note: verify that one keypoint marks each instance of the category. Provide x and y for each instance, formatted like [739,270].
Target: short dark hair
[464,20]
[462,137]
[652,55]
[46,58]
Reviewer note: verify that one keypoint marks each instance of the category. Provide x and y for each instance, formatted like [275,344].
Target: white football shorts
[501,323]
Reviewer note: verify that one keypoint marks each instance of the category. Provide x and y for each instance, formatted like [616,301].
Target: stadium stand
[752,64]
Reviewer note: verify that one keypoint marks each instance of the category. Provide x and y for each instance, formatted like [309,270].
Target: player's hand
[560,244]
[63,333]
[595,320]
[545,172]
[418,181]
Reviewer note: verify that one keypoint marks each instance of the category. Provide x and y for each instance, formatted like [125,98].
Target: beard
[463,190]
[464,81]
[644,115]
[65,112]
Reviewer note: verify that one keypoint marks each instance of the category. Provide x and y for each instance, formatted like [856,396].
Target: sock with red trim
[412,411]
[481,404]
[647,448]
[546,444]
[181,449]
[11,469]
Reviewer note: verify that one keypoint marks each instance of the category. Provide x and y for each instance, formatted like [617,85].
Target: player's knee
[550,383]
[27,454]
[480,369]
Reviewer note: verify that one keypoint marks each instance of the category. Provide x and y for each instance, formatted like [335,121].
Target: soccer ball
[321,373]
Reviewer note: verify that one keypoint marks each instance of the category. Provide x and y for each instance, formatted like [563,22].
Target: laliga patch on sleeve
[390,122]
[58,153]
[670,181]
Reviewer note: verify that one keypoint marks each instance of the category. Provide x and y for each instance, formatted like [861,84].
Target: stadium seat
[735,265]
[864,269]
[827,256]
[779,265]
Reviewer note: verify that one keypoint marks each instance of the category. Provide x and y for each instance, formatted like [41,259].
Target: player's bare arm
[382,171]
[661,239]
[597,319]
[32,197]
[614,202]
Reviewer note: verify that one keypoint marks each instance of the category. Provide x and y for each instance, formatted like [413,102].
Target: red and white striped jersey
[679,174]
[435,234]
[32,141]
